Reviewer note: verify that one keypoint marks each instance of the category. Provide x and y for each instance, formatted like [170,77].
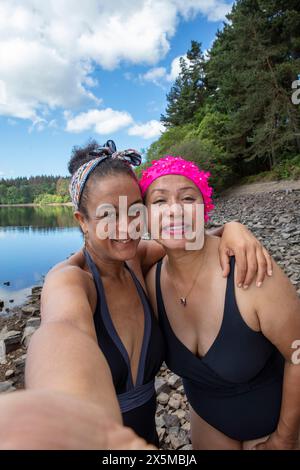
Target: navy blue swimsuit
[237,385]
[137,402]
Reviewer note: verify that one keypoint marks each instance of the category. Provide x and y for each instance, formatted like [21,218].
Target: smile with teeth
[123,241]
[174,228]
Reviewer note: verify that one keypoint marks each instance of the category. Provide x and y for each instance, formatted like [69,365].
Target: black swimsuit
[137,402]
[237,385]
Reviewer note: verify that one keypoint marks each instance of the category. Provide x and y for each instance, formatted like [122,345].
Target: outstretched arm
[63,354]
[50,420]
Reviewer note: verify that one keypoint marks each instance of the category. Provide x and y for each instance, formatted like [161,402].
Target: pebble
[6,386]
[9,373]
[163,398]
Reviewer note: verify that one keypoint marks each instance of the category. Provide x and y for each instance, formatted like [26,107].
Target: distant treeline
[36,189]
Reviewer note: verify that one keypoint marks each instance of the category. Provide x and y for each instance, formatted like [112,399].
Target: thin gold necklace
[183,299]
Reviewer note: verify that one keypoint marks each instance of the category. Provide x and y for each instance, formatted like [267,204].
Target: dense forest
[36,189]
[232,110]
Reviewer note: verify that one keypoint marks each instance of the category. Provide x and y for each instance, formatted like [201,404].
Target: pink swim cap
[170,165]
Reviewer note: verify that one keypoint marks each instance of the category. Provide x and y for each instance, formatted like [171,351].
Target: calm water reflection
[32,240]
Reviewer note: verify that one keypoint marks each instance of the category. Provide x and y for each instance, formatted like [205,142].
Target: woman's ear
[80,218]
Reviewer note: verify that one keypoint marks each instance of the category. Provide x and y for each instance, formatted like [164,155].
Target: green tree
[188,93]
[251,67]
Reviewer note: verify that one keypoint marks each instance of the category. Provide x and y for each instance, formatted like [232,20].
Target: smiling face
[175,209]
[104,194]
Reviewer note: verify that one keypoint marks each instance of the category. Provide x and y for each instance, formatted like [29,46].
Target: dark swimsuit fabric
[237,385]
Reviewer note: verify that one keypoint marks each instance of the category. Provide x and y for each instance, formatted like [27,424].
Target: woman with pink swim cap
[240,373]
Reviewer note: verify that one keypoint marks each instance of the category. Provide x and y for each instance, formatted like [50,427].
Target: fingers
[252,260]
[251,267]
[269,261]
[241,266]
[262,266]
[224,261]
[122,438]
[259,447]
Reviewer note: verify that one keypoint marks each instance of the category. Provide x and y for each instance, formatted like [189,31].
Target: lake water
[32,240]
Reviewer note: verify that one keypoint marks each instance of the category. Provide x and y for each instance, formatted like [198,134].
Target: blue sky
[71,70]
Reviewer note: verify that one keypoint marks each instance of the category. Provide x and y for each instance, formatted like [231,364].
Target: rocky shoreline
[273,217]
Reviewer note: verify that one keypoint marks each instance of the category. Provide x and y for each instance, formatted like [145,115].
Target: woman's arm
[50,420]
[252,259]
[63,354]
[278,310]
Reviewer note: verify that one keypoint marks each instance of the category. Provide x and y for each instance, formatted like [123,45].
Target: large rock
[174,381]
[12,339]
[163,398]
[161,385]
[9,373]
[180,413]
[174,403]
[34,322]
[36,290]
[6,387]
[170,420]
[27,334]
[20,361]
[2,352]
[30,309]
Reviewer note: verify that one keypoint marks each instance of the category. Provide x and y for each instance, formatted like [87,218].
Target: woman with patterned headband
[99,339]
[232,347]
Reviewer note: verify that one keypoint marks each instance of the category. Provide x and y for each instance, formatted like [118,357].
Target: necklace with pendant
[183,299]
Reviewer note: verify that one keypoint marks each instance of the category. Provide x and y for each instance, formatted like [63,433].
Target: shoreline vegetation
[35,204]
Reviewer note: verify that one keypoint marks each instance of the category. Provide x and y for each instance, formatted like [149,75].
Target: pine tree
[188,93]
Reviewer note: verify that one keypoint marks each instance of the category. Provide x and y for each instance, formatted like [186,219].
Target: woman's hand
[252,259]
[48,420]
[277,442]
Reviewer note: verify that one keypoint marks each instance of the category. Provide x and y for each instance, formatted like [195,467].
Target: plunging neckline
[115,335]
[196,356]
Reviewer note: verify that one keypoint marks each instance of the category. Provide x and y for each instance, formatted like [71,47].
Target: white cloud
[154,74]
[175,68]
[34,76]
[159,75]
[48,49]
[148,130]
[213,10]
[104,121]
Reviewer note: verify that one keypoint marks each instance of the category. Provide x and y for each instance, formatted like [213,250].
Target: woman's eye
[159,201]
[107,215]
[188,198]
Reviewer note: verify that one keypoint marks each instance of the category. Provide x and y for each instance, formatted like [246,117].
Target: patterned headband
[80,177]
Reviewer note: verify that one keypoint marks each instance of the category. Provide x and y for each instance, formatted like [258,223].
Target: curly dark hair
[108,167]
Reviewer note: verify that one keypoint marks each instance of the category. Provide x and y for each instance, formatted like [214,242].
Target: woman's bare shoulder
[76,260]
[70,273]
